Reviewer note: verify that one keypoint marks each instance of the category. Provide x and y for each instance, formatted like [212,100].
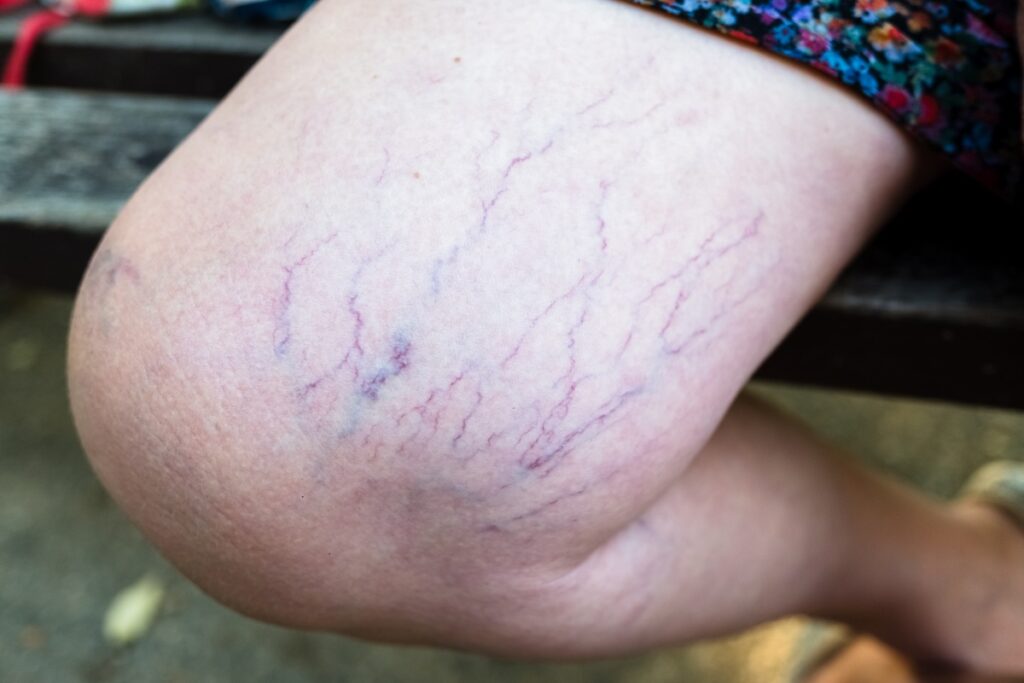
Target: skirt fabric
[947,71]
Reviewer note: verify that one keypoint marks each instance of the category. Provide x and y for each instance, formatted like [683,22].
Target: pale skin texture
[430,333]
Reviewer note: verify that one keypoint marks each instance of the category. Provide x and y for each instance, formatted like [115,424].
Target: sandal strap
[1000,484]
[818,643]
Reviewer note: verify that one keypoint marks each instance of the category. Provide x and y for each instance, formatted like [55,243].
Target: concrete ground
[66,551]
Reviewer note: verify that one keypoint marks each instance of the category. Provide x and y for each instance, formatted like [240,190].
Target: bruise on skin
[439,264]
[323,391]
[467,410]
[109,268]
[108,272]
[396,365]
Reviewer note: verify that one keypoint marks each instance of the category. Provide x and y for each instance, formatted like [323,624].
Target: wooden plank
[939,357]
[933,307]
[70,159]
[950,254]
[192,55]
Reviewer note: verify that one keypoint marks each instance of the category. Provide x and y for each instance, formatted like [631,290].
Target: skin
[870,660]
[430,333]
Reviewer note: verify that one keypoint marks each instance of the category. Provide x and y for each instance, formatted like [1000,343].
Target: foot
[984,632]
[995,643]
[865,660]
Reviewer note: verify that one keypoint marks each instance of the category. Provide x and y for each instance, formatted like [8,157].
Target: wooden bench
[933,308]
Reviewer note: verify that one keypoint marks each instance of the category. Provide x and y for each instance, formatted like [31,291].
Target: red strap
[90,8]
[7,5]
[34,26]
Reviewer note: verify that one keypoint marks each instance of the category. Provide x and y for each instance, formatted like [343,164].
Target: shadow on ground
[66,551]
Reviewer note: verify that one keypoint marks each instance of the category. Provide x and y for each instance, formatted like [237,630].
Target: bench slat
[190,55]
[934,307]
[71,159]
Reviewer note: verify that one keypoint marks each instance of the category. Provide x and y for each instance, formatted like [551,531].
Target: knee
[359,505]
[183,446]
[329,419]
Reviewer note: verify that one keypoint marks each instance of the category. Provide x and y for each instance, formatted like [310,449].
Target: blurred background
[66,551]
[922,312]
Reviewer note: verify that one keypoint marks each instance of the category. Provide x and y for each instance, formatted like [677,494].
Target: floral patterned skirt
[948,71]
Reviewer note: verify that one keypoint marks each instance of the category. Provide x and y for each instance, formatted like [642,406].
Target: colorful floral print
[947,71]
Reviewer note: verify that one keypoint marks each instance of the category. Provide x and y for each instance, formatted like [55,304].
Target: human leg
[445,297]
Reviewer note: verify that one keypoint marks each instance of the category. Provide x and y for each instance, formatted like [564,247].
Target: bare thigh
[446,294]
